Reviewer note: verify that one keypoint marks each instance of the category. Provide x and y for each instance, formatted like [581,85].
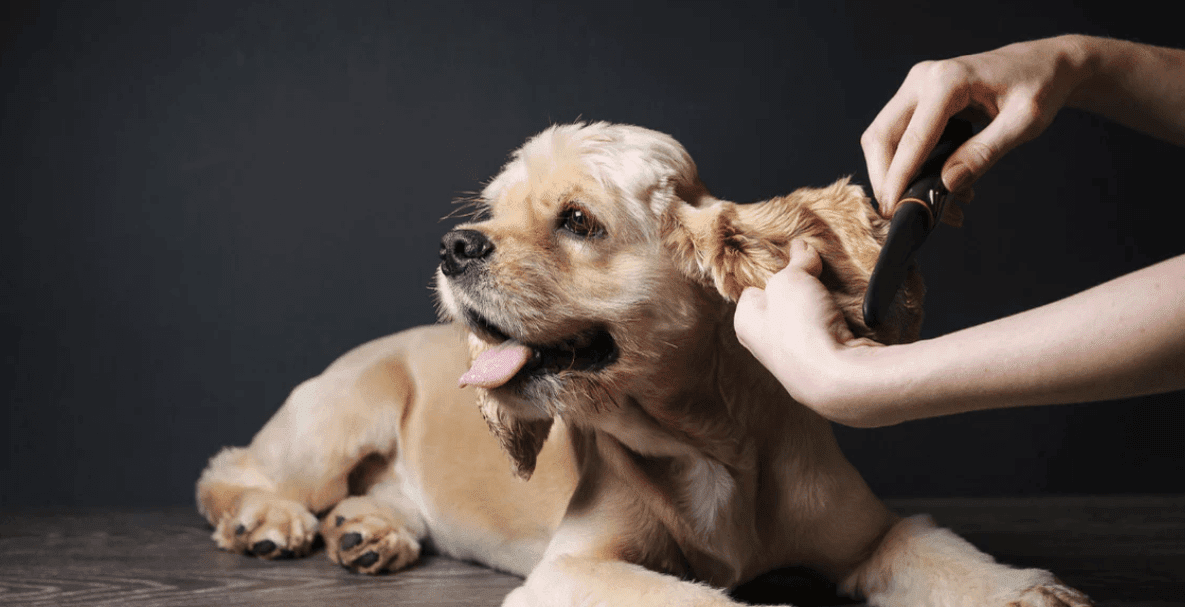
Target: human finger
[879,140]
[751,298]
[804,257]
[749,312]
[1016,123]
[934,110]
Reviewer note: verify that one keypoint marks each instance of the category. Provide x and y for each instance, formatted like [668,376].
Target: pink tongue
[497,365]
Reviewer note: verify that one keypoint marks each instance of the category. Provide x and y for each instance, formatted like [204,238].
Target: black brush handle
[916,214]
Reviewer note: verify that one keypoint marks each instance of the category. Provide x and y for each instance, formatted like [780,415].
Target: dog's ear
[520,439]
[733,246]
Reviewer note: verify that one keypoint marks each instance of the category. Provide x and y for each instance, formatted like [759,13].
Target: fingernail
[956,177]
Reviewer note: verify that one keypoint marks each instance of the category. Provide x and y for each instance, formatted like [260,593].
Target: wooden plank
[1123,551]
[166,557]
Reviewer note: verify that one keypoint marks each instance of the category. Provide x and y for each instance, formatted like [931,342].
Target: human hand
[1019,88]
[796,330]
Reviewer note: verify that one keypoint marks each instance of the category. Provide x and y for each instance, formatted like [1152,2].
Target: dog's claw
[367,537]
[366,560]
[350,540]
[268,526]
[1057,594]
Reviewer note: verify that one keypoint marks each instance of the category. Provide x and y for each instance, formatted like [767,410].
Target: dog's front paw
[1054,593]
[365,537]
[268,526]
[521,597]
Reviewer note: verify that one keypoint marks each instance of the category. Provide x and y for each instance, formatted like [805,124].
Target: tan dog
[592,322]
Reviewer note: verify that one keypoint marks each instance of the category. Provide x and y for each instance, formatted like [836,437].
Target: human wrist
[858,386]
[1079,57]
[1102,65]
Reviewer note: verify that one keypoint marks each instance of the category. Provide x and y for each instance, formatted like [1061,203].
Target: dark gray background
[205,203]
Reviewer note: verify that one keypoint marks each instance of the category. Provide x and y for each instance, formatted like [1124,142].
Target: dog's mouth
[511,360]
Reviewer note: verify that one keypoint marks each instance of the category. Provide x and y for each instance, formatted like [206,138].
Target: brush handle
[917,213]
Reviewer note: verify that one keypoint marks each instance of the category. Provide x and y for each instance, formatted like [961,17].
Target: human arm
[1123,338]
[1020,88]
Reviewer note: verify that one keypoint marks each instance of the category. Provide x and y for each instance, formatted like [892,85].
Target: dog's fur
[663,470]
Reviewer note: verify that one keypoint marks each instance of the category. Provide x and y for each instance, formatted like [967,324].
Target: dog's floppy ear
[733,246]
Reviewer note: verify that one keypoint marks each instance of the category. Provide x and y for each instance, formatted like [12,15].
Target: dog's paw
[268,526]
[1051,594]
[365,537]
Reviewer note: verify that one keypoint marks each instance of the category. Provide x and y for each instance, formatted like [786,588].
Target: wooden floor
[1123,551]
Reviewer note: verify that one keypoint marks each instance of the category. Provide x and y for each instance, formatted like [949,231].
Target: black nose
[461,249]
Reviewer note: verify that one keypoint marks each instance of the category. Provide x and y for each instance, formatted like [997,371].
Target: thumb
[804,257]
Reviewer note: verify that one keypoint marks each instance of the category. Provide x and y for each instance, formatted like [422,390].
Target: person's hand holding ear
[796,330]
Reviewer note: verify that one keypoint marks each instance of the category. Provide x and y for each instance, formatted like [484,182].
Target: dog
[589,323]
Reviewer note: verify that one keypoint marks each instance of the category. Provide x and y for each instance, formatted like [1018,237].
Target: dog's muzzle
[461,250]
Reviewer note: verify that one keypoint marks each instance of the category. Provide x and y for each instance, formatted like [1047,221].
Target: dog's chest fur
[704,505]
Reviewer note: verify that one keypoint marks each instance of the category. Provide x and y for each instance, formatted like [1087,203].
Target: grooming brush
[918,212]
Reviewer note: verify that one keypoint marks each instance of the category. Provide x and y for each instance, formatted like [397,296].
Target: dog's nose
[460,249]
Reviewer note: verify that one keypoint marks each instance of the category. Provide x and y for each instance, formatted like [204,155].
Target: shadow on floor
[797,585]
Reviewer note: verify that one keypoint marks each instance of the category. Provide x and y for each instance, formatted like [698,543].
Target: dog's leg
[261,499]
[379,531]
[579,581]
[248,515]
[584,564]
[918,563]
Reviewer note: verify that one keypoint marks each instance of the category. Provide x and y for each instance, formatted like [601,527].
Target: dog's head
[604,268]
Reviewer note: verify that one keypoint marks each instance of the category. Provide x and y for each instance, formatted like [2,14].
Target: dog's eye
[580,223]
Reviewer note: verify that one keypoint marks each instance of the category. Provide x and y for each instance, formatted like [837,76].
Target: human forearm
[1123,338]
[1137,85]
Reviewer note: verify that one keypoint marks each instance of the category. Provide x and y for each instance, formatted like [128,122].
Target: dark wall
[204,205]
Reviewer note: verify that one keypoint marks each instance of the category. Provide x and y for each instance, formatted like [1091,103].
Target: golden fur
[661,452]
